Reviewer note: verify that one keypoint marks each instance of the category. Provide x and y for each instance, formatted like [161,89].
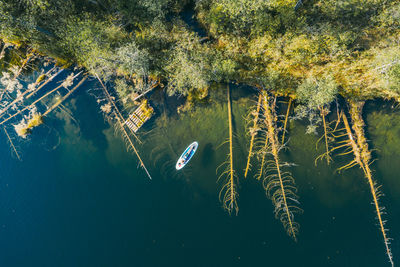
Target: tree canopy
[272,43]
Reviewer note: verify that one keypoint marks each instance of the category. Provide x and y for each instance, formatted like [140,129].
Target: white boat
[186,155]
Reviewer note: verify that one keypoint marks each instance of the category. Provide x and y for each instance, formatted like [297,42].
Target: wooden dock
[137,118]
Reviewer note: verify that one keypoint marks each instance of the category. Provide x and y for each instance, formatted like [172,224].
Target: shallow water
[78,198]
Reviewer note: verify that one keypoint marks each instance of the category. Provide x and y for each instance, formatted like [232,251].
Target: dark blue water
[78,198]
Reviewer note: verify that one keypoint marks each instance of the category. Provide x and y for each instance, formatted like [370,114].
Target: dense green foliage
[352,42]
[317,93]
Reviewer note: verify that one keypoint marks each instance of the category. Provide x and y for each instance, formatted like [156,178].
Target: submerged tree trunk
[286,120]
[253,133]
[365,158]
[14,149]
[228,192]
[279,185]
[121,124]
[21,97]
[55,105]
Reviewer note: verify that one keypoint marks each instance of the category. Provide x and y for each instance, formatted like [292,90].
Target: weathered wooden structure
[137,118]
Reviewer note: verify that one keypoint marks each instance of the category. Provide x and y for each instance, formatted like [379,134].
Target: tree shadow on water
[207,155]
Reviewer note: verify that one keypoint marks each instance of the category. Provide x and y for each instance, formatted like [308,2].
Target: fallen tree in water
[228,194]
[328,136]
[364,160]
[31,105]
[253,132]
[14,149]
[121,126]
[352,139]
[286,120]
[279,185]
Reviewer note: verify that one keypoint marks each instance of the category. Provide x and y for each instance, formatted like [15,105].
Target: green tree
[316,93]
[188,66]
[132,60]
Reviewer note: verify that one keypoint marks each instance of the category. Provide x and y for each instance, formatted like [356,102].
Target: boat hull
[186,155]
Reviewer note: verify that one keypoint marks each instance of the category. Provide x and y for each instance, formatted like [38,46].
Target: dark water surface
[78,198]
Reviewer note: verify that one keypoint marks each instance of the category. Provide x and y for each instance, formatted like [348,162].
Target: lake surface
[79,199]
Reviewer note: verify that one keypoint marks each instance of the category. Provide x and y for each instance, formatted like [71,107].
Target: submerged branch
[31,105]
[328,134]
[253,134]
[286,120]
[12,144]
[132,146]
[21,97]
[55,105]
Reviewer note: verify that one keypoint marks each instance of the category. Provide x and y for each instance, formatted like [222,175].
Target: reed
[278,184]
[253,132]
[228,194]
